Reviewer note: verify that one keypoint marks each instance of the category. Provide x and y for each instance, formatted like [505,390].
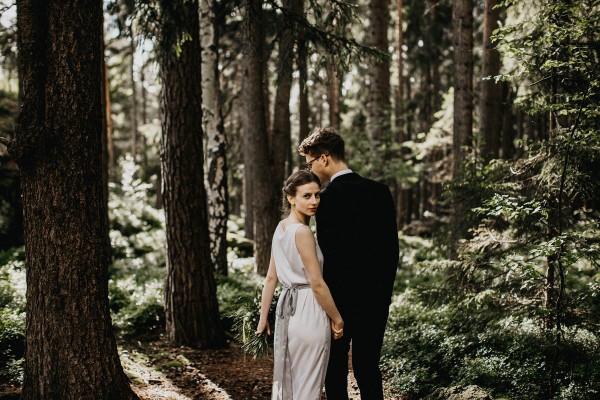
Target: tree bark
[105,130]
[462,16]
[333,94]
[110,145]
[134,102]
[71,352]
[462,20]
[281,139]
[490,92]
[256,144]
[212,122]
[191,308]
[508,130]
[401,195]
[303,106]
[379,91]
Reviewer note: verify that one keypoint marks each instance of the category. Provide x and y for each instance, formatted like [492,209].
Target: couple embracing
[338,288]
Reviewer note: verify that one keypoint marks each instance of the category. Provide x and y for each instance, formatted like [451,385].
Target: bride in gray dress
[306,317]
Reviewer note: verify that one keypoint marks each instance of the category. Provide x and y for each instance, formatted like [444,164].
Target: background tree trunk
[379,91]
[333,95]
[490,92]
[462,19]
[281,140]
[218,193]
[303,106]
[71,352]
[110,146]
[134,101]
[256,143]
[401,195]
[191,308]
[462,15]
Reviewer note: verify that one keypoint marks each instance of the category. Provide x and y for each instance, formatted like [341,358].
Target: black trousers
[365,329]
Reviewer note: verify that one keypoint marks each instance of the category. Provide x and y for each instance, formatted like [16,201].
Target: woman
[306,314]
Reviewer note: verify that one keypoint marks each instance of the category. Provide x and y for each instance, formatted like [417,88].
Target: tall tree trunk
[462,15]
[191,308]
[144,96]
[218,193]
[379,91]
[111,162]
[303,106]
[490,93]
[256,156]
[508,131]
[281,140]
[333,94]
[248,199]
[105,126]
[401,195]
[134,102]
[462,20]
[71,352]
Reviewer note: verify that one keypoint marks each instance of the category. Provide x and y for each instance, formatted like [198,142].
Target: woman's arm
[269,286]
[305,242]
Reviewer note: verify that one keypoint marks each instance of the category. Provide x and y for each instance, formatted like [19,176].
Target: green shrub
[12,315]
[467,342]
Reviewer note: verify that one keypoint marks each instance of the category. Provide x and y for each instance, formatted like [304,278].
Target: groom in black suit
[357,232]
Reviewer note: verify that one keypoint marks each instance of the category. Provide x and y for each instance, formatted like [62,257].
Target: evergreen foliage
[12,314]
[516,313]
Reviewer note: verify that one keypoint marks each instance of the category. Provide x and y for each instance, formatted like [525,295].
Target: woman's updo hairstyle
[298,178]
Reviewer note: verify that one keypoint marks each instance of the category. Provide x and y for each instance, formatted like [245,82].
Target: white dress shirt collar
[339,173]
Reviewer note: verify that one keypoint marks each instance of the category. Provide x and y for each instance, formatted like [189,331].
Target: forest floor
[159,371]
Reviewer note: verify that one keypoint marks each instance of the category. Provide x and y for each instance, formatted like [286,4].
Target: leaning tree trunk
[256,157]
[191,308]
[218,193]
[490,99]
[71,352]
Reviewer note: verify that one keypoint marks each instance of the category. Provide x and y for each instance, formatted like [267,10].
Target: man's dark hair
[323,141]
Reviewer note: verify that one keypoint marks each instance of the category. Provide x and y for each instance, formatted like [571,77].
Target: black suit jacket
[357,232]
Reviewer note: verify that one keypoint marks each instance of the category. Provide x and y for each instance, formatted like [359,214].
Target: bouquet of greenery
[245,321]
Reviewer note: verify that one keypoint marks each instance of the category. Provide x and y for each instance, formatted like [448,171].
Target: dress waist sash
[282,374]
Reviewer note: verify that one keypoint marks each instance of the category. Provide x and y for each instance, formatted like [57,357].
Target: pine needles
[245,321]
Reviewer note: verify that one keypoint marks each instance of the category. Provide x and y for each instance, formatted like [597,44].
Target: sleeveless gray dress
[302,328]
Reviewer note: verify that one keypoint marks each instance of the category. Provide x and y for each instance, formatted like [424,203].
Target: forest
[144,145]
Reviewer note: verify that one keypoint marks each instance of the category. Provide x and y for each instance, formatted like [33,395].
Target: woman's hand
[337,329]
[262,326]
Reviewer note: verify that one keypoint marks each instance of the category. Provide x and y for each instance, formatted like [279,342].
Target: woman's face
[307,199]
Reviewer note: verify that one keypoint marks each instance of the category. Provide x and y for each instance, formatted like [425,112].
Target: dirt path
[161,372]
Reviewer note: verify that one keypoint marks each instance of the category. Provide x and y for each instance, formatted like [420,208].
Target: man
[357,233]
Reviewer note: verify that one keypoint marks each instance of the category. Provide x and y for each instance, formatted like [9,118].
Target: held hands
[337,329]
[262,326]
